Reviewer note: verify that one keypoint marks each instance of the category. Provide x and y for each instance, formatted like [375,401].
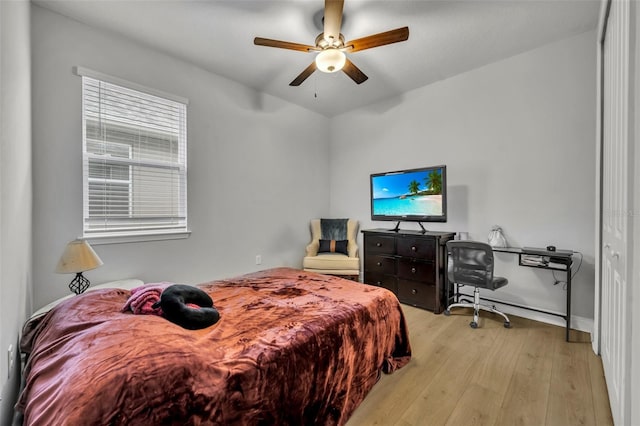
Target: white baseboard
[577,323]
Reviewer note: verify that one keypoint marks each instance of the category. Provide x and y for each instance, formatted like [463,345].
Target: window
[134,159]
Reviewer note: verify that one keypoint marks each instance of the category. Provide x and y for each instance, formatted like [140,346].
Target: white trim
[86,72]
[601,19]
[550,317]
[577,323]
[595,343]
[129,238]
[634,267]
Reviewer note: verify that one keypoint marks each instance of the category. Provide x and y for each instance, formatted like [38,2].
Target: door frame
[632,415]
[602,27]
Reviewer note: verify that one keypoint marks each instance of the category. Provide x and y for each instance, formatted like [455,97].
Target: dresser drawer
[421,248]
[417,271]
[377,244]
[381,280]
[380,264]
[418,294]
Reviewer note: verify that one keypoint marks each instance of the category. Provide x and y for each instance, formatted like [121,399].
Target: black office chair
[471,263]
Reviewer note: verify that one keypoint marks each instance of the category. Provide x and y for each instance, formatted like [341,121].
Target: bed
[291,347]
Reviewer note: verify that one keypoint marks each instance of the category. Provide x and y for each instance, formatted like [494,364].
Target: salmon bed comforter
[291,347]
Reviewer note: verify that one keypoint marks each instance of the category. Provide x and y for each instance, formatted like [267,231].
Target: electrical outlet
[10,360]
[258,259]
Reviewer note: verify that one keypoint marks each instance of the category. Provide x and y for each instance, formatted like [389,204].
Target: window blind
[134,161]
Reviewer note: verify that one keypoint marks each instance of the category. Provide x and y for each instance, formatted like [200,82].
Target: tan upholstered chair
[329,253]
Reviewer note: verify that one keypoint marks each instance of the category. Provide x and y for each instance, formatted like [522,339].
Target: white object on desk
[496,238]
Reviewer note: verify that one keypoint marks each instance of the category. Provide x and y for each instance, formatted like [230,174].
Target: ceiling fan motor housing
[323,43]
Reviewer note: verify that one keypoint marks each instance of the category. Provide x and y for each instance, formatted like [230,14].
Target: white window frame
[149,233]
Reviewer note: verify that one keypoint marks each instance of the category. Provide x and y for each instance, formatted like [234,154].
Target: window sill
[135,238]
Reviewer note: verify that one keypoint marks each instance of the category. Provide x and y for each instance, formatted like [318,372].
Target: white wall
[257,166]
[517,138]
[15,190]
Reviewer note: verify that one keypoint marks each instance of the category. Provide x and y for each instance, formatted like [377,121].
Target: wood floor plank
[570,401]
[601,406]
[499,362]
[526,398]
[429,356]
[440,396]
[478,406]
[453,377]
[490,377]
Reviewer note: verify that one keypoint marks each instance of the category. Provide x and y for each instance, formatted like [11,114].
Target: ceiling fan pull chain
[315,87]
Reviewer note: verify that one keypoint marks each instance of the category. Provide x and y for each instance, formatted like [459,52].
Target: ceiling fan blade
[332,19]
[354,72]
[304,75]
[282,44]
[387,37]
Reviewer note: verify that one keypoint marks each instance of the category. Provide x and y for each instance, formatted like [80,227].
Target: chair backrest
[333,229]
[470,263]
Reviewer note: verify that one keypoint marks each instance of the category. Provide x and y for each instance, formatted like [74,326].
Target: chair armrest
[352,248]
[312,248]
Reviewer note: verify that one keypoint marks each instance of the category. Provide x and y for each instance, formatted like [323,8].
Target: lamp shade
[330,60]
[78,256]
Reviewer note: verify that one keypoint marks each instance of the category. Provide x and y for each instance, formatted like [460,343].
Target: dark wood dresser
[411,264]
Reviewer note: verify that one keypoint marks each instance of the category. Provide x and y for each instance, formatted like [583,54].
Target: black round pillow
[173,302]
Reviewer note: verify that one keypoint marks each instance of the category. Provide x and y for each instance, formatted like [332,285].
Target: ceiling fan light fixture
[330,60]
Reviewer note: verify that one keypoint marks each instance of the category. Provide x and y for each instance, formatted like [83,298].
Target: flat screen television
[416,195]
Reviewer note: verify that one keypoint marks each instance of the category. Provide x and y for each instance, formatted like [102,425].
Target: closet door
[617,203]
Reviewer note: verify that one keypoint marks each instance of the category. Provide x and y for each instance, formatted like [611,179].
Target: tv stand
[412,264]
[397,227]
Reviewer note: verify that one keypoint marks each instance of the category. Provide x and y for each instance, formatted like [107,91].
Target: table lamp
[78,257]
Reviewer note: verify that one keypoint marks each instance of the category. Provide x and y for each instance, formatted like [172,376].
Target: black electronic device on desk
[549,251]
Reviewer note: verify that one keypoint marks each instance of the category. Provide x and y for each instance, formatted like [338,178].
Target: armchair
[333,249]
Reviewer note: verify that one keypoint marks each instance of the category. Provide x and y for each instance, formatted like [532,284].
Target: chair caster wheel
[473,324]
[447,312]
[507,324]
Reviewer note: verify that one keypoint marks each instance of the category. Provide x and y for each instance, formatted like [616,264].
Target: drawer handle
[413,270]
[379,263]
[413,248]
[414,291]
[378,282]
[378,244]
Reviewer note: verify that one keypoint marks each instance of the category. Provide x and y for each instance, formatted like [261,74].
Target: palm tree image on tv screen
[410,193]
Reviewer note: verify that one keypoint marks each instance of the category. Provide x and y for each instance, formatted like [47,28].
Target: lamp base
[79,284]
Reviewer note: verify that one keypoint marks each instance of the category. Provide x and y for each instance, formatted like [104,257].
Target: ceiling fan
[331,46]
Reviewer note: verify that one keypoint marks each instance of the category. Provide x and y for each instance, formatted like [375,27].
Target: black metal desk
[556,261]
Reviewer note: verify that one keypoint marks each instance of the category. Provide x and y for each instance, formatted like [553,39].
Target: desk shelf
[551,268]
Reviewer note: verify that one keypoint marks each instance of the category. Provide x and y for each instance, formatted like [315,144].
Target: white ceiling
[446,38]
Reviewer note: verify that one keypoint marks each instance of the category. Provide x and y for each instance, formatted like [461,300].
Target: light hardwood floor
[525,375]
